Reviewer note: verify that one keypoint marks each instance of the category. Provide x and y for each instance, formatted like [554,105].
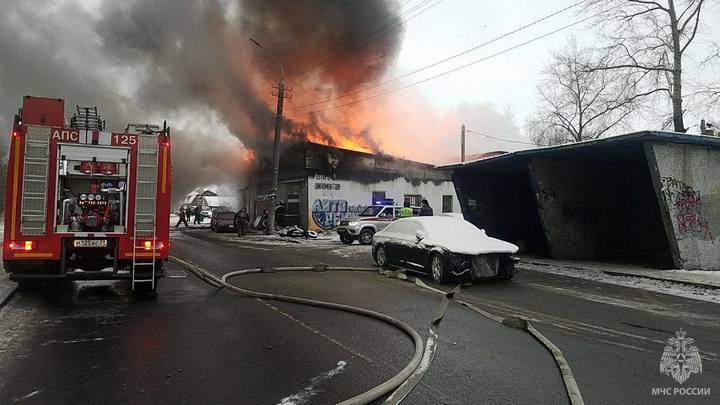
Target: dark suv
[223,221]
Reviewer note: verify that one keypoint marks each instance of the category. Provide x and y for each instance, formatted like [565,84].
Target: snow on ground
[707,277]
[6,286]
[661,286]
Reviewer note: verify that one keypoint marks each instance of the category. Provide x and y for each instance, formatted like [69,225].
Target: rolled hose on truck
[408,377]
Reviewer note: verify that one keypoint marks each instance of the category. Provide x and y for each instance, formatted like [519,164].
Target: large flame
[335,138]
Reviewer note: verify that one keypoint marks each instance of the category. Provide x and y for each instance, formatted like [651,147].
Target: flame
[250,156]
[339,141]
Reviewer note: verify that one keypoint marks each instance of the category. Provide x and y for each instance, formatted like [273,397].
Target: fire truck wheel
[146,290]
[29,286]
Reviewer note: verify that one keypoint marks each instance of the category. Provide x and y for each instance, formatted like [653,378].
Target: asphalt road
[95,343]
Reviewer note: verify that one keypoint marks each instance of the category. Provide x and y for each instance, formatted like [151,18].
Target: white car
[444,247]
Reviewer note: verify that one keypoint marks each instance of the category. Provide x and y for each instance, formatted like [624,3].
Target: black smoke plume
[145,60]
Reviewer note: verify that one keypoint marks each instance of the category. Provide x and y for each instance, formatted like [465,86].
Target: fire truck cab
[83,203]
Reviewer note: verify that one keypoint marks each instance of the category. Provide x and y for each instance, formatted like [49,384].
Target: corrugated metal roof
[635,137]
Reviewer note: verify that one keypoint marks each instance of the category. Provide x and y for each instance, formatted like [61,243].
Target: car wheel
[347,239]
[437,268]
[381,257]
[366,236]
[507,272]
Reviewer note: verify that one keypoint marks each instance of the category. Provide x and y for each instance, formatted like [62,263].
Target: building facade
[319,185]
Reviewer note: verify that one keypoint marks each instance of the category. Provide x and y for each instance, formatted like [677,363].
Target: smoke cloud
[191,63]
[199,52]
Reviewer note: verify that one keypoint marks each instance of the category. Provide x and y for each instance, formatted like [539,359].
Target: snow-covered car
[445,247]
[223,222]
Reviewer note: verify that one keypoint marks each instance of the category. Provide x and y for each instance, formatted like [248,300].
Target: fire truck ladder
[145,215]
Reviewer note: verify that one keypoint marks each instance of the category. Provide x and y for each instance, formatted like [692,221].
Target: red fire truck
[83,203]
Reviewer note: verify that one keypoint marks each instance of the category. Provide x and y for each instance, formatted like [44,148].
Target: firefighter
[425,209]
[280,215]
[241,221]
[198,215]
[406,211]
[182,219]
[263,223]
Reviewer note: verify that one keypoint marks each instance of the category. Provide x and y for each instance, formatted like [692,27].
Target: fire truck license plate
[90,243]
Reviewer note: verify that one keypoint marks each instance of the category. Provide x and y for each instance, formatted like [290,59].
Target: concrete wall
[330,200]
[687,183]
[570,212]
[601,210]
[502,203]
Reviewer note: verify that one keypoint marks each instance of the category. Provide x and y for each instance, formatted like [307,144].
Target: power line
[395,23]
[451,70]
[474,48]
[499,139]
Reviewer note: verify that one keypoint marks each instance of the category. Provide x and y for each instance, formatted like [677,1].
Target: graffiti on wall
[327,213]
[688,208]
[547,193]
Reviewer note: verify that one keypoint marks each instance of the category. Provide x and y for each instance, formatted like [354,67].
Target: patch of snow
[661,286]
[709,277]
[310,391]
[30,395]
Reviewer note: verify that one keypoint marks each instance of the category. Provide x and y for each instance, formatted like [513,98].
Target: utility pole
[462,144]
[276,155]
[276,141]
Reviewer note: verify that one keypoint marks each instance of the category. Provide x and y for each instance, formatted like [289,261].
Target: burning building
[321,184]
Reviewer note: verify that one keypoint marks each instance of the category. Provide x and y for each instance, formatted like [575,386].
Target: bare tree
[577,104]
[648,40]
[711,92]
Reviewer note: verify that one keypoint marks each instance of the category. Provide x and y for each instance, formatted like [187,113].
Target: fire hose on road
[571,387]
[368,396]
[405,380]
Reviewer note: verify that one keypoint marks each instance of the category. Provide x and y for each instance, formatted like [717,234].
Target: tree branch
[695,27]
[633,66]
[658,5]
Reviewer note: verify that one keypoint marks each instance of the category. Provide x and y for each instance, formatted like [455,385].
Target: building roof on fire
[594,148]
[302,158]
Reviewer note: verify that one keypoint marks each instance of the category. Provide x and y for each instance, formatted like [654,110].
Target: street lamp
[276,142]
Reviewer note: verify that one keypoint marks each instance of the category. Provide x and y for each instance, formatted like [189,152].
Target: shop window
[413,199]
[447,203]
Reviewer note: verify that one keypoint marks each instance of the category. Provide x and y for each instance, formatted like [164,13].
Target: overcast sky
[509,80]
[190,63]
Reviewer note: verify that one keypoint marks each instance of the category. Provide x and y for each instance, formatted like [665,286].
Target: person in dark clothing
[280,215]
[425,209]
[241,221]
[187,213]
[198,215]
[262,224]
[182,218]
